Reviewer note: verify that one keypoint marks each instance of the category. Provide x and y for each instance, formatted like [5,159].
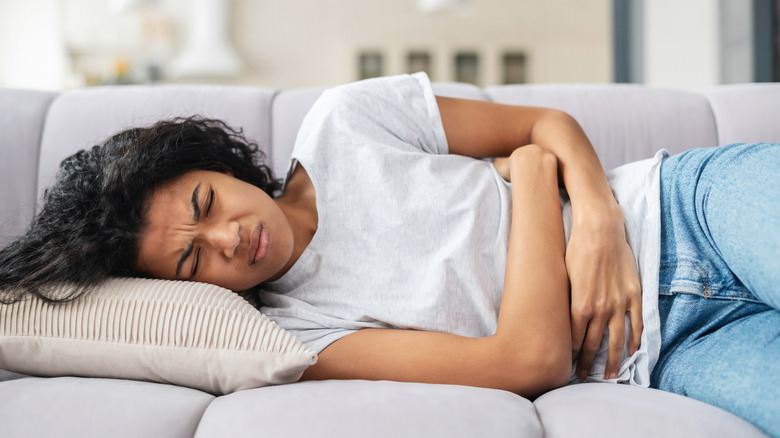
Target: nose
[224,237]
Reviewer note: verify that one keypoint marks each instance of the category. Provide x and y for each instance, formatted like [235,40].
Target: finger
[617,339]
[635,314]
[579,325]
[590,347]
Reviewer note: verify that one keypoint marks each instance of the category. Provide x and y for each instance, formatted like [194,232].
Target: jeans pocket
[693,277]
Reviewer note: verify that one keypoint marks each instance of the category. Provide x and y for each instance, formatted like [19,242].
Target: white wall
[681,43]
[295,43]
[31,50]
[291,42]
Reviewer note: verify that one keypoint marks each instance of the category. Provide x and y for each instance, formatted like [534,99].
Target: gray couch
[624,122]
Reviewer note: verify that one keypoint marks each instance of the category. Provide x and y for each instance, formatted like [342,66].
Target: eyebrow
[196,217]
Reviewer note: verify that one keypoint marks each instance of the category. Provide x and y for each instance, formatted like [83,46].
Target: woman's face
[211,227]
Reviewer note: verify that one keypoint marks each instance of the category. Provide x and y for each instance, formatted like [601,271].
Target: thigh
[721,222]
[740,211]
[735,367]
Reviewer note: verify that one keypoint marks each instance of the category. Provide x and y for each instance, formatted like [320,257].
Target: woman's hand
[604,287]
[530,351]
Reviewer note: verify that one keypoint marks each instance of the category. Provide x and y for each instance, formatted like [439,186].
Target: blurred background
[282,44]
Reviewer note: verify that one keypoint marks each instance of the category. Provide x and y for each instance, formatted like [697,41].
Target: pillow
[184,333]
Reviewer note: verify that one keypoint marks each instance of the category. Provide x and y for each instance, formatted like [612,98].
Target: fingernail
[612,376]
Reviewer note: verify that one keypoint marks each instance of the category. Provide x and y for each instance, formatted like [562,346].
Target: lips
[261,242]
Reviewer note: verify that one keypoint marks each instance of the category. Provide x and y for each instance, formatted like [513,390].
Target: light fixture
[428,6]
[207,51]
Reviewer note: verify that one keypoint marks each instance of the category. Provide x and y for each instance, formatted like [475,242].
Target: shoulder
[374,93]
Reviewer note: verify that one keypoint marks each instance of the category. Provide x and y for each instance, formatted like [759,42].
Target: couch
[625,123]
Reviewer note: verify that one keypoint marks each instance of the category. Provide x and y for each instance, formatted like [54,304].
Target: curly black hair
[90,224]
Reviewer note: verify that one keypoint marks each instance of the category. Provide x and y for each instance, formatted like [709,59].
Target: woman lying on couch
[395,254]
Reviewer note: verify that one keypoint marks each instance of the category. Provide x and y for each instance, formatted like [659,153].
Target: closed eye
[195,265]
[210,202]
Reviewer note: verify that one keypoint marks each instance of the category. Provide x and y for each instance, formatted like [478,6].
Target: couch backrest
[22,116]
[746,113]
[624,122]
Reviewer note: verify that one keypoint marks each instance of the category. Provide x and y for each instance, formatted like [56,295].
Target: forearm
[529,353]
[534,315]
[600,263]
[578,166]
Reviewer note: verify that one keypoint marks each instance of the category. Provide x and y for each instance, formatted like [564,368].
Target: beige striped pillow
[184,333]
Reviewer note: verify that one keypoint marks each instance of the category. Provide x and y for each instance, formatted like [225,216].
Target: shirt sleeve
[395,111]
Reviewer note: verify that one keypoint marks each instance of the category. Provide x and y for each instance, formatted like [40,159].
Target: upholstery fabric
[7,375]
[287,113]
[604,410]
[358,408]
[458,90]
[624,122]
[22,117]
[76,407]
[737,109]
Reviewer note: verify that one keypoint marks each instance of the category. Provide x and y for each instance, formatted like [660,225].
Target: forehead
[168,218]
[182,183]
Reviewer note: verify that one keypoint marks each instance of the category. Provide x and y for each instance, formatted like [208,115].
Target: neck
[299,205]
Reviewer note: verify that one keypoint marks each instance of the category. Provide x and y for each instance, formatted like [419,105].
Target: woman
[384,224]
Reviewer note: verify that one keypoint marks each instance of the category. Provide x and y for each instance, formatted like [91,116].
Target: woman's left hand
[604,287]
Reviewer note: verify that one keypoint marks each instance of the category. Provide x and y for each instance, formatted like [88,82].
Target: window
[776,39]
[371,65]
[467,68]
[418,61]
[514,68]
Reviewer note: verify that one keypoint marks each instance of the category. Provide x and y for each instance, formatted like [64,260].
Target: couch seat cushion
[78,407]
[608,410]
[358,408]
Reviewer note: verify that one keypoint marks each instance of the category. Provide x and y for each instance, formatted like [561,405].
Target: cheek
[229,275]
[149,262]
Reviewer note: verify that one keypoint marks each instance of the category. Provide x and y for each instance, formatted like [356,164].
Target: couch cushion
[7,375]
[289,108]
[458,90]
[357,408]
[75,407]
[85,117]
[624,122]
[618,411]
[22,115]
[746,113]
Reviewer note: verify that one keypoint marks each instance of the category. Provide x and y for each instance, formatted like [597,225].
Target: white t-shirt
[412,237]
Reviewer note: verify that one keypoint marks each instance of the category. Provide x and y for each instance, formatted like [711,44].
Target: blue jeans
[719,285]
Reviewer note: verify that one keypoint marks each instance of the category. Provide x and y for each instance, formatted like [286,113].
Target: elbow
[532,371]
[552,371]
[551,123]
[556,116]
[559,372]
